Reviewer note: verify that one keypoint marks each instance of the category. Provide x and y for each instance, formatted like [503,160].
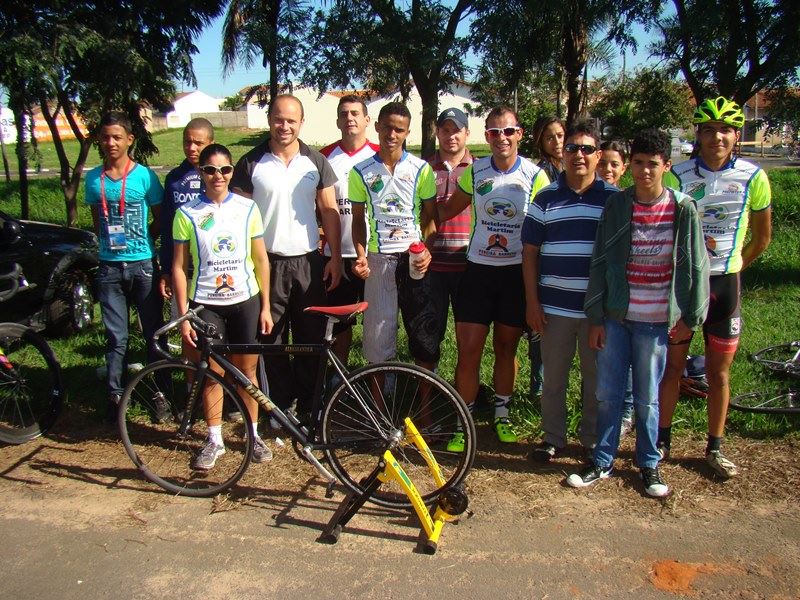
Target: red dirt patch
[677,577]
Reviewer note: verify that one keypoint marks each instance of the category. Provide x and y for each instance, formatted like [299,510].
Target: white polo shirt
[342,161]
[286,195]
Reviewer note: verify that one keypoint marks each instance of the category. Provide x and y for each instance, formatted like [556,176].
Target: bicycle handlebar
[204,328]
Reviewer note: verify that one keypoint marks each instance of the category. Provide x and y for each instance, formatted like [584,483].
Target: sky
[208,64]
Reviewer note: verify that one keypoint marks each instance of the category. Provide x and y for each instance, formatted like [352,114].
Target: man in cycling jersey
[731,194]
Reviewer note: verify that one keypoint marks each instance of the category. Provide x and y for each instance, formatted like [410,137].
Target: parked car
[686,147]
[46,275]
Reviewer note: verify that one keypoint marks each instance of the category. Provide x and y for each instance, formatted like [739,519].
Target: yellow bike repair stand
[451,504]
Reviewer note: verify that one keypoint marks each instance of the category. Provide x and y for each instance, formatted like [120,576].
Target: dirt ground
[79,522]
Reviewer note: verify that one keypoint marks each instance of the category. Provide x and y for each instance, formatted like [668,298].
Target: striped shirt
[449,252]
[649,269]
[563,224]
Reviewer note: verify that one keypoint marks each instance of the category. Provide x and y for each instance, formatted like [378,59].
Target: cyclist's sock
[215,434]
[501,404]
[471,408]
[714,443]
[255,429]
[664,436]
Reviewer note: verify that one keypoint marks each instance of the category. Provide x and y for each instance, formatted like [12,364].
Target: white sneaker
[721,465]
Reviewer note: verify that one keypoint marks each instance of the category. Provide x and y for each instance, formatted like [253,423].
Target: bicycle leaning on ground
[367,411]
[783,359]
[31,386]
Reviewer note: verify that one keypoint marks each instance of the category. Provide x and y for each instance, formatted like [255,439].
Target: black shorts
[491,295]
[723,324]
[349,291]
[237,323]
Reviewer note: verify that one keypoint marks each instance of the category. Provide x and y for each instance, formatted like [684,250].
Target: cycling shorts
[491,294]
[238,323]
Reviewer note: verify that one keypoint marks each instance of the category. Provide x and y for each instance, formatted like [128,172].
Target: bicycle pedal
[329,489]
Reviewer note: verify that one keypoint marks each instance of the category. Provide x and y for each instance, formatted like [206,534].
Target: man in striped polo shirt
[449,246]
[558,236]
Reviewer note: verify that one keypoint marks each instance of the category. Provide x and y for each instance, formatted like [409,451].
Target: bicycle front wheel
[31,387]
[784,358]
[163,441]
[368,411]
[781,403]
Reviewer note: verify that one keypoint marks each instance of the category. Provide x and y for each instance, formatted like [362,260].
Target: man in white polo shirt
[289,182]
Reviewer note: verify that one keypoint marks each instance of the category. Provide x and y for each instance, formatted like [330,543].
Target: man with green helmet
[730,194]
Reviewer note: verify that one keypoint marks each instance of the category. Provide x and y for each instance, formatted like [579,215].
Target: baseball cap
[452,114]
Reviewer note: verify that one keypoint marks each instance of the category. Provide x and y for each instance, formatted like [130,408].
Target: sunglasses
[585,148]
[211,169]
[495,132]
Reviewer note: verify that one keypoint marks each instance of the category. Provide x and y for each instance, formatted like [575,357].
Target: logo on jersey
[711,245]
[497,246]
[391,204]
[500,208]
[207,221]
[194,185]
[374,182]
[714,213]
[224,244]
[397,233]
[696,189]
[484,187]
[224,283]
[733,188]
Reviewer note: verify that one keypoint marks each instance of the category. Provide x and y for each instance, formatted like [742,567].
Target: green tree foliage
[552,37]
[85,58]
[783,116]
[233,102]
[272,31]
[651,98]
[732,47]
[388,47]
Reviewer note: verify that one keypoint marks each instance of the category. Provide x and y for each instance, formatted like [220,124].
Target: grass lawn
[771,308]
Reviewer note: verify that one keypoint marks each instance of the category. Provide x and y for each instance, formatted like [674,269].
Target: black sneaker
[590,475]
[654,485]
[112,408]
[544,452]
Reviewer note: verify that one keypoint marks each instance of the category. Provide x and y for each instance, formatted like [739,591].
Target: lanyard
[103,202]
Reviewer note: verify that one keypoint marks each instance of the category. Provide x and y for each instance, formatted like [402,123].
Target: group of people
[508,244]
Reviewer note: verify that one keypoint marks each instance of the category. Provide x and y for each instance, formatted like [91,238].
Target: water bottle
[415,250]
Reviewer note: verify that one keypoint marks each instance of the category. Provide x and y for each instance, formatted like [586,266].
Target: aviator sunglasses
[211,169]
[494,132]
[585,148]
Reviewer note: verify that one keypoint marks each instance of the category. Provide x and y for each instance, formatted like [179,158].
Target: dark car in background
[46,275]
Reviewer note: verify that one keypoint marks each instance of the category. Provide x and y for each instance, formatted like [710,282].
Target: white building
[320,114]
[187,103]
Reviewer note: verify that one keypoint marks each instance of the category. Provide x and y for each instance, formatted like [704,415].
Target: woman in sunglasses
[221,233]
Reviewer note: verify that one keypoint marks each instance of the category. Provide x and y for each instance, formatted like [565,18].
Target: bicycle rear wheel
[782,403]
[783,358]
[150,418]
[358,424]
[31,387]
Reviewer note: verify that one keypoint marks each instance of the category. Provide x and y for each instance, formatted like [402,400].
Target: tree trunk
[575,57]
[5,159]
[22,159]
[273,50]
[430,110]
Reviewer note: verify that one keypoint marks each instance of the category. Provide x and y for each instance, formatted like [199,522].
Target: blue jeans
[120,284]
[643,346]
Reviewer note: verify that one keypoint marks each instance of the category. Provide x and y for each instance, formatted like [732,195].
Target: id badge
[116,237]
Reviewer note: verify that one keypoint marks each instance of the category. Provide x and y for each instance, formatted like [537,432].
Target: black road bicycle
[355,417]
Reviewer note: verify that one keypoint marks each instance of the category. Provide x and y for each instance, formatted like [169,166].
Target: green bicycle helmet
[719,109]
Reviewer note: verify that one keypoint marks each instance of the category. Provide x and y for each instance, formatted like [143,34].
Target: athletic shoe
[503,429]
[234,416]
[112,408]
[456,443]
[721,465]
[590,475]
[654,485]
[261,452]
[161,410]
[544,452]
[208,456]
[663,450]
